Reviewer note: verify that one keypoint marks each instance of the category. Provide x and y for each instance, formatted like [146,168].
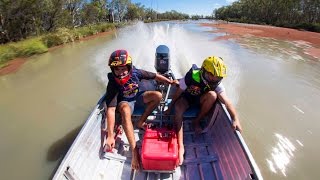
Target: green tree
[135,12]
[51,15]
[288,13]
[120,8]
[72,12]
[19,19]
[94,12]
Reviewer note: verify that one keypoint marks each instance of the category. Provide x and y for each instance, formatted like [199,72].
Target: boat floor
[85,159]
[199,160]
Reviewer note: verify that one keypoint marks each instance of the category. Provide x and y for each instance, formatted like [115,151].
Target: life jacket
[130,89]
[196,85]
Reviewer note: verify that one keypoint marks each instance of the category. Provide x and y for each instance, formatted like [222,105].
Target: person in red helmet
[122,92]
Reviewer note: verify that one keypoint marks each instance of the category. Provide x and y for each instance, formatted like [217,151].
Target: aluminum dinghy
[218,152]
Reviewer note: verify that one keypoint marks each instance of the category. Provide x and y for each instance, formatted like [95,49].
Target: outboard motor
[162,61]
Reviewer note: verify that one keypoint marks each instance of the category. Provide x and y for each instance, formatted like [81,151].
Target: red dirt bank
[235,31]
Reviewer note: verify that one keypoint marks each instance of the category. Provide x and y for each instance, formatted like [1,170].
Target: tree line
[301,14]
[20,19]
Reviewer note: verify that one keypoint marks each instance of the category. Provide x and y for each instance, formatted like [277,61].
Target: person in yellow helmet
[201,87]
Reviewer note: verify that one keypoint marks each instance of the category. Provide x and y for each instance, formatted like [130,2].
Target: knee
[179,108]
[156,97]
[211,97]
[124,108]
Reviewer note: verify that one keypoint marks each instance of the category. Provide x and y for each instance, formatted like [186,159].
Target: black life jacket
[196,84]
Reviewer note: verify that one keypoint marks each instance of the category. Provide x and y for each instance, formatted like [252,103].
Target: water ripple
[281,155]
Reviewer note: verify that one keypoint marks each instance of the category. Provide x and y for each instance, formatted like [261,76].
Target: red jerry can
[159,150]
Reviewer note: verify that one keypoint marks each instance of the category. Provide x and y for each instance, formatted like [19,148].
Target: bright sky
[191,7]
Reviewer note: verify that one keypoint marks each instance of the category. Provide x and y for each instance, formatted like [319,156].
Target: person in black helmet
[122,93]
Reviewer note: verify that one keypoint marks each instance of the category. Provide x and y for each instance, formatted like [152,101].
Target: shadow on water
[59,148]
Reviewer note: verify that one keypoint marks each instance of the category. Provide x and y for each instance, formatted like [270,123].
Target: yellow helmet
[215,66]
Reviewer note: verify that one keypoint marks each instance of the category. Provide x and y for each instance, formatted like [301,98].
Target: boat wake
[186,45]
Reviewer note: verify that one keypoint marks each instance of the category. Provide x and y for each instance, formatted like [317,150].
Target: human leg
[206,102]
[180,107]
[125,111]
[152,100]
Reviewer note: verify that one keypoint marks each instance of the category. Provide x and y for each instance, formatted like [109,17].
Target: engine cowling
[162,59]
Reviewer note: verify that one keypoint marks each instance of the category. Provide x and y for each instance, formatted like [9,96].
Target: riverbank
[237,30]
[13,55]
[13,65]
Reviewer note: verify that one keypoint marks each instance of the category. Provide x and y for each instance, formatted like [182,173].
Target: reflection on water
[59,148]
[279,95]
[282,154]
[282,50]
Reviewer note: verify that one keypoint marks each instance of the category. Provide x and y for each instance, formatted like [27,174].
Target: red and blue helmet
[120,58]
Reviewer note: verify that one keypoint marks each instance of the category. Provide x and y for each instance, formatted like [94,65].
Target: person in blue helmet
[122,92]
[201,87]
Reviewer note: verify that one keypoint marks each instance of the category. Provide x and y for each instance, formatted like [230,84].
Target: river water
[274,86]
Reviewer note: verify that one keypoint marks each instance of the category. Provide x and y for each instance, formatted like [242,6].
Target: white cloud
[217,6]
[230,1]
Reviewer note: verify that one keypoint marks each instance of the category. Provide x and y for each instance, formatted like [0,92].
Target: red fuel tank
[159,150]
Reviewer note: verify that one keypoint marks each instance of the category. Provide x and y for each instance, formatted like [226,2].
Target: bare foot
[135,160]
[140,125]
[181,153]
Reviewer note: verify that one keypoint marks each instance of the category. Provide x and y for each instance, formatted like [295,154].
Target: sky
[191,7]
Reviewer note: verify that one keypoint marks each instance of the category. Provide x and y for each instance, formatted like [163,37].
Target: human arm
[174,99]
[180,89]
[109,127]
[110,108]
[163,79]
[150,75]
[232,111]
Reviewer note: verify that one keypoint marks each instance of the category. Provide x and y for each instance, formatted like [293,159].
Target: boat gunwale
[62,165]
[244,147]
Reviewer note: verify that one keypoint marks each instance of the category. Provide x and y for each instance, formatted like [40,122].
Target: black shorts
[192,100]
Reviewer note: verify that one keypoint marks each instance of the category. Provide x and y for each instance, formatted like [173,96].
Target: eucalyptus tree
[73,9]
[19,19]
[288,13]
[120,8]
[94,12]
[150,14]
[102,6]
[52,14]
[135,12]
[311,11]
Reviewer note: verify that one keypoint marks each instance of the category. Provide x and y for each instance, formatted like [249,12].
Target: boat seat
[191,112]
[138,111]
